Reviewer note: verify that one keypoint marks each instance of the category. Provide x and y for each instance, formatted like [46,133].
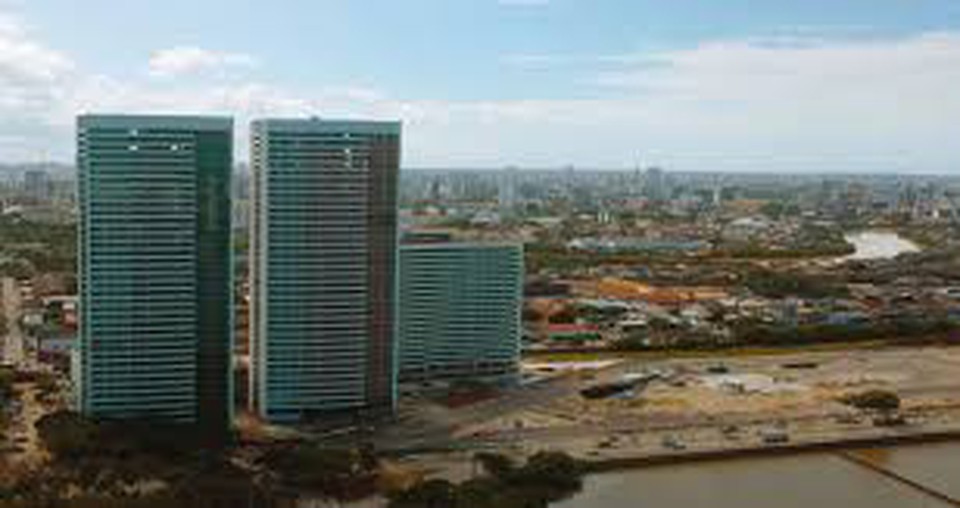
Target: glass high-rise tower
[324,268]
[460,306]
[155,272]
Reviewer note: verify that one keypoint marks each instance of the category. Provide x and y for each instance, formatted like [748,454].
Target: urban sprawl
[316,324]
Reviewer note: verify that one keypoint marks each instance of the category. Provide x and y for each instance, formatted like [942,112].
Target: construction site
[637,408]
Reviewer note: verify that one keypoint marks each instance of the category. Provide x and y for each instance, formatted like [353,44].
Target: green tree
[335,473]
[566,315]
[554,473]
[496,465]
[429,494]
[531,314]
[545,478]
[68,435]
[874,400]
[7,378]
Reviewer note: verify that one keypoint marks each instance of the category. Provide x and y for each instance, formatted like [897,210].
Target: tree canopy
[546,477]
[874,400]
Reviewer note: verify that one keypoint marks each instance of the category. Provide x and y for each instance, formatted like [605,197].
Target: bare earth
[689,409]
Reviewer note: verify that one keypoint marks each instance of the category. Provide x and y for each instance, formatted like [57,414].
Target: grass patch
[736,352]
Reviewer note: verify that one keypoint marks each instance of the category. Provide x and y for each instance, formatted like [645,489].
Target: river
[879,245]
[820,480]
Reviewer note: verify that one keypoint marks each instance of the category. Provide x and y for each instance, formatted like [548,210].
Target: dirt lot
[703,403]
[756,387]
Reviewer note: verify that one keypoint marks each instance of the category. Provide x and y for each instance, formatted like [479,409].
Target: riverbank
[844,443]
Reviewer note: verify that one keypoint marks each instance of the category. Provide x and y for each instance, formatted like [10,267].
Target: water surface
[879,245]
[935,465]
[819,480]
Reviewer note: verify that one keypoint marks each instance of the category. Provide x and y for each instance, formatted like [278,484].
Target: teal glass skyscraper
[155,274]
[323,268]
[460,306]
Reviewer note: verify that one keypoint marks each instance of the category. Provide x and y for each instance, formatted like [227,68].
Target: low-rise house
[573,333]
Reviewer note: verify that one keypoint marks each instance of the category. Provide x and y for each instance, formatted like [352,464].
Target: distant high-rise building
[716,193]
[460,310]
[655,185]
[569,181]
[155,272]
[636,183]
[323,277]
[507,190]
[436,190]
[36,185]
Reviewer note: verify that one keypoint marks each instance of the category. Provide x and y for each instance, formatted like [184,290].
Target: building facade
[323,268]
[460,311]
[155,268]
[507,191]
[655,185]
[37,186]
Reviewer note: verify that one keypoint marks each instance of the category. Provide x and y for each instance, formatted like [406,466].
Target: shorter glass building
[460,310]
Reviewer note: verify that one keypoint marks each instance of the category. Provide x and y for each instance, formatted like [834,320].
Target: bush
[495,464]
[903,330]
[68,435]
[781,285]
[134,445]
[335,473]
[47,385]
[481,493]
[545,478]
[873,400]
[7,378]
[40,248]
[428,494]
[553,473]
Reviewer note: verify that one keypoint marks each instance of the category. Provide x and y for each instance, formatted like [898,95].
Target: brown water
[803,481]
[936,466]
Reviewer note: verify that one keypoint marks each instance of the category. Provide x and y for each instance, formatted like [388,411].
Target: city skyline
[546,322]
[817,87]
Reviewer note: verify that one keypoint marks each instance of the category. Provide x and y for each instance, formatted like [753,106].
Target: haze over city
[817,86]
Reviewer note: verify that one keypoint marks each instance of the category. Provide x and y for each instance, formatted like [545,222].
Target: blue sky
[817,85]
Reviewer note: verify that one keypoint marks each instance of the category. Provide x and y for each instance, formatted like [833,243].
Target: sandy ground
[691,409]
[753,387]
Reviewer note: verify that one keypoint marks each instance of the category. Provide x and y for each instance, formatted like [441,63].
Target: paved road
[14,351]
[428,430]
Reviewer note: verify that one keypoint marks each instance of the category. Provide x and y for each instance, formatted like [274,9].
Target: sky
[728,85]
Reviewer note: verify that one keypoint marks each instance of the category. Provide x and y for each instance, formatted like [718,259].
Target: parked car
[673,443]
[775,437]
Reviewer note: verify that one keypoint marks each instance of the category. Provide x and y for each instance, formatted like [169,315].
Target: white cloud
[181,60]
[23,60]
[34,83]
[764,103]
[740,69]
[894,101]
